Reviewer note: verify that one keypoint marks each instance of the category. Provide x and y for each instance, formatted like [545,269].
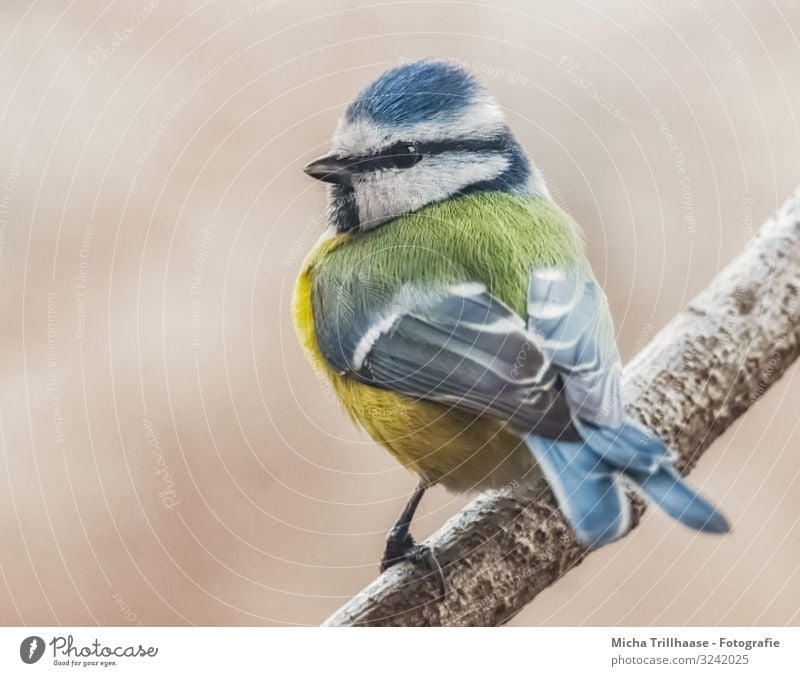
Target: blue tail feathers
[588,476]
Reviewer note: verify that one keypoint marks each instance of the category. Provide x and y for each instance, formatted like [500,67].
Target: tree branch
[700,373]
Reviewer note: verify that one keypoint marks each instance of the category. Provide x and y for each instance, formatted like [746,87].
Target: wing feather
[458,346]
[569,313]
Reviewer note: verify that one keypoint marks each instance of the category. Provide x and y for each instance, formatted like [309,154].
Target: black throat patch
[344,209]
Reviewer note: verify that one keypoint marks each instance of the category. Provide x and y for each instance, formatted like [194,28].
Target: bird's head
[421,133]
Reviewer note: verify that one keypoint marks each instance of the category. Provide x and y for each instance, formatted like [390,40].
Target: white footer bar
[402,652]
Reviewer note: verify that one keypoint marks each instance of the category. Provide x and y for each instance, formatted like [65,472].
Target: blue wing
[569,314]
[458,346]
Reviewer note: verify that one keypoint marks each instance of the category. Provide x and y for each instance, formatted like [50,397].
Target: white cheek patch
[394,192]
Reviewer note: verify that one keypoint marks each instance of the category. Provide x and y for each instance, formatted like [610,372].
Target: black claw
[419,556]
[423,557]
[401,546]
[398,545]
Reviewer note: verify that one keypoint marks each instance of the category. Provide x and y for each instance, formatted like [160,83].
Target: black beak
[331,169]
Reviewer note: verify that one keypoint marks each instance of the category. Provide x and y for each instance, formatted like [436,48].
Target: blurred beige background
[168,457]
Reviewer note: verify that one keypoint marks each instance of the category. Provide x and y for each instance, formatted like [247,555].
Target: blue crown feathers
[421,91]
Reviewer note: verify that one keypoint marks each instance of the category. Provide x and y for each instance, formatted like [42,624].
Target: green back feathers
[492,238]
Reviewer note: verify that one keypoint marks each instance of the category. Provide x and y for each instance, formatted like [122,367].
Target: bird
[451,304]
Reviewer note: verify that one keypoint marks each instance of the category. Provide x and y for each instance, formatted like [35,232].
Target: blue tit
[451,304]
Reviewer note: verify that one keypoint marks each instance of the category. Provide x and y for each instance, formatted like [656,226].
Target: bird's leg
[401,546]
[399,541]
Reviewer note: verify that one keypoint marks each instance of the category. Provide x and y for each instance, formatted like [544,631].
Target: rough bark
[702,371]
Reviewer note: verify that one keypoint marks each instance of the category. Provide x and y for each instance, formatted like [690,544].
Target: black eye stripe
[492,144]
[406,154]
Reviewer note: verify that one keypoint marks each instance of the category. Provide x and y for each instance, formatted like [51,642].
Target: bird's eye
[404,155]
